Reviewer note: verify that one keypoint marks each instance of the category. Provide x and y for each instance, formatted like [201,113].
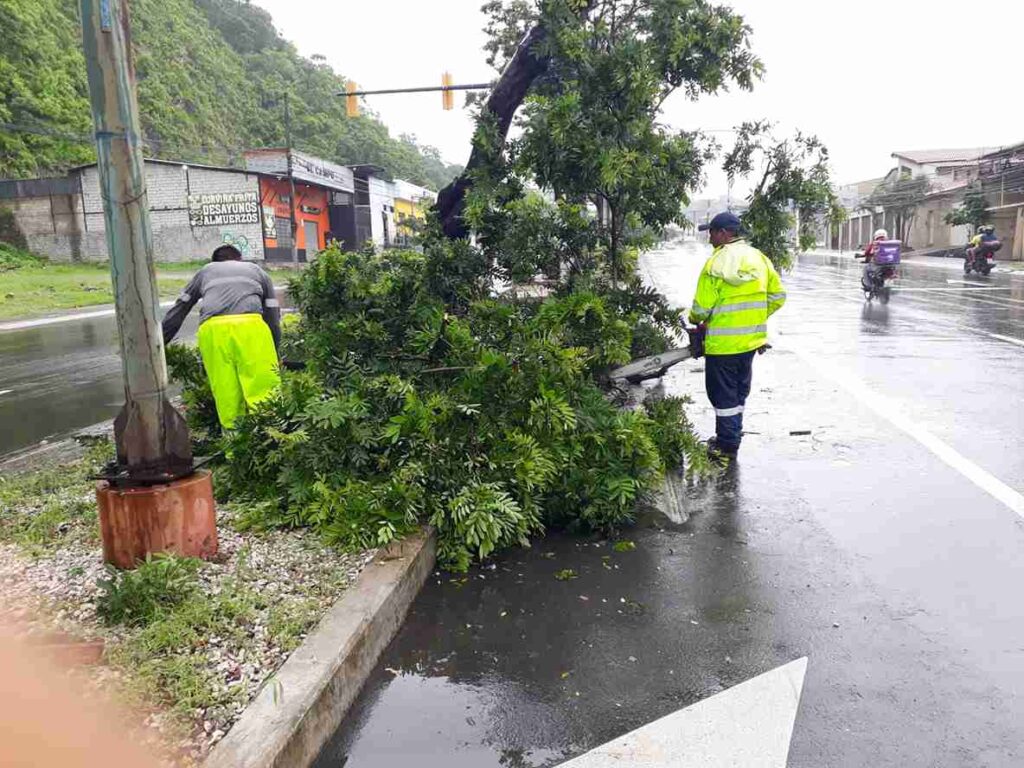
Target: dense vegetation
[973,211]
[428,395]
[211,79]
[483,416]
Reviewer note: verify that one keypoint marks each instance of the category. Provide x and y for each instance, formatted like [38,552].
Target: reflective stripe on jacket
[738,290]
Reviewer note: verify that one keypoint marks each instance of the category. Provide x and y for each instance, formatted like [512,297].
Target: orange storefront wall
[310,205]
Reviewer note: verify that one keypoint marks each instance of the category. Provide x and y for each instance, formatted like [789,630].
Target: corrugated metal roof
[180,163]
[944,156]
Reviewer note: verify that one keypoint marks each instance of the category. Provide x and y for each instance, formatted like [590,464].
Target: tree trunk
[614,235]
[509,92]
[500,106]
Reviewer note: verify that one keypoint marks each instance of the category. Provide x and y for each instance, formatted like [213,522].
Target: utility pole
[153,448]
[291,178]
[291,181]
[151,436]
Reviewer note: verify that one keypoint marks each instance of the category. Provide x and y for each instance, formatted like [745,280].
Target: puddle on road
[456,711]
[510,666]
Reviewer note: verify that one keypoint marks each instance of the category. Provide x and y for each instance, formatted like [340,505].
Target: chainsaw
[655,366]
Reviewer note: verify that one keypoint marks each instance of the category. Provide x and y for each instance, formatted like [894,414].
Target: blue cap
[725,220]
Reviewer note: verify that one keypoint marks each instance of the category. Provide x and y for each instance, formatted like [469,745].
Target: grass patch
[141,596]
[47,509]
[31,286]
[167,660]
[187,639]
[288,622]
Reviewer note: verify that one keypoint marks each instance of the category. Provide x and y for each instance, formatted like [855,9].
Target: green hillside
[212,75]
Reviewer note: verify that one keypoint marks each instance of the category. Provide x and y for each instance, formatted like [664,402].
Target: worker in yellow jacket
[737,292]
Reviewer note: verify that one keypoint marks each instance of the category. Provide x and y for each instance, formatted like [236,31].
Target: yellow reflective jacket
[738,290]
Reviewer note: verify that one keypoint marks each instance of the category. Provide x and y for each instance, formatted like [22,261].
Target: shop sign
[222,208]
[322,172]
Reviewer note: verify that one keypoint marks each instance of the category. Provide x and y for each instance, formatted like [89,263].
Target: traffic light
[351,100]
[448,98]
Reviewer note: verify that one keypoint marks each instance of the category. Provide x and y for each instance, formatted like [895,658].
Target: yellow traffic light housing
[447,97]
[351,100]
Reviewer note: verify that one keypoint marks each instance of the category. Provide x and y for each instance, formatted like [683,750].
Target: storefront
[411,205]
[193,209]
[311,221]
[320,187]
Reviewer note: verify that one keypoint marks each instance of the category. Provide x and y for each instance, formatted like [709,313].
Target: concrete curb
[300,707]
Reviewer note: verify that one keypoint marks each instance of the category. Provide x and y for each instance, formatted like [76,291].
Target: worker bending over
[239,331]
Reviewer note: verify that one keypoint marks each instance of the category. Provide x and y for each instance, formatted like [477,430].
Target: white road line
[18,325]
[963,297]
[897,416]
[1011,339]
[911,311]
[899,289]
[957,291]
[748,726]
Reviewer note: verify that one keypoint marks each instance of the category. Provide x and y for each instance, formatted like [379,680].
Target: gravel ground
[294,572]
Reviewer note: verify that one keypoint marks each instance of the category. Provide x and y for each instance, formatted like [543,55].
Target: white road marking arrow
[748,726]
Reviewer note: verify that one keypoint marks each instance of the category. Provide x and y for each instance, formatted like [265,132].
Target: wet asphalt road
[885,546]
[56,378]
[61,377]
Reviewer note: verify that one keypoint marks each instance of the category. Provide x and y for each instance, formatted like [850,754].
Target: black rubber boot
[722,451]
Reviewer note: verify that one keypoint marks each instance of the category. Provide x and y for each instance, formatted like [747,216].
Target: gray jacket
[227,288]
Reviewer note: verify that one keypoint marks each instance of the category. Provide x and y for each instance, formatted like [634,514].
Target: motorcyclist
[870,268]
[986,233]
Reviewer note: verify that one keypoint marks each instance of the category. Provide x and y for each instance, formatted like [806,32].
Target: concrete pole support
[178,518]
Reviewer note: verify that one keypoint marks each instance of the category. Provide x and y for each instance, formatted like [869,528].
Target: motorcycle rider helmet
[881,233]
[989,229]
[982,229]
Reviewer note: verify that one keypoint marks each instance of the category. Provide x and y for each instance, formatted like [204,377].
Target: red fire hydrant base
[178,518]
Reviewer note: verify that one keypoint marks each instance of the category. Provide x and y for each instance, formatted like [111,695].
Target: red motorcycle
[982,257]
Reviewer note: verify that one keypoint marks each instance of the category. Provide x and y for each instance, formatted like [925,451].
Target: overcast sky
[868,77]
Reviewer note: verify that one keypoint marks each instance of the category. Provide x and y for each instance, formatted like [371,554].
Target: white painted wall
[408,191]
[382,210]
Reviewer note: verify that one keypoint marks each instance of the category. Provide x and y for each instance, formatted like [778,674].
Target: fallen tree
[430,396]
[506,97]
[484,418]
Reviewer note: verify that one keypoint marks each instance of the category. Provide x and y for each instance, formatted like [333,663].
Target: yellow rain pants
[241,363]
